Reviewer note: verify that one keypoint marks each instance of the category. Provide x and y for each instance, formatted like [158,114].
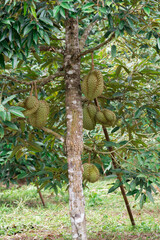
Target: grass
[24,217]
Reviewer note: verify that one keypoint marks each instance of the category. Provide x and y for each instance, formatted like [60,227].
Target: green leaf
[33,12]
[115,186]
[130,22]
[109,2]
[18,108]
[107,34]
[30,39]
[133,185]
[8,99]
[147,10]
[28,28]
[46,20]
[19,154]
[10,35]
[137,195]
[22,175]
[62,12]
[118,70]
[88,10]
[10,125]
[131,193]
[149,35]
[6,1]
[56,10]
[34,146]
[37,57]
[110,20]
[150,196]
[2,63]
[128,30]
[1,131]
[7,21]
[15,149]
[3,115]
[46,38]
[113,51]
[115,129]
[121,143]
[142,200]
[87,5]
[14,61]
[25,8]
[158,42]
[121,25]
[103,10]
[110,144]
[16,112]
[2,109]
[35,36]
[8,116]
[66,6]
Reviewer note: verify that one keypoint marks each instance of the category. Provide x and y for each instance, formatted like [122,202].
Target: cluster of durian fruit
[36,110]
[92,87]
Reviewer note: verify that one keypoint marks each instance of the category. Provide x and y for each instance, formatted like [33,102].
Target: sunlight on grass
[106,215]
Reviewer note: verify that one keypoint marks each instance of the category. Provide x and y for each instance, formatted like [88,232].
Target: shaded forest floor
[24,217]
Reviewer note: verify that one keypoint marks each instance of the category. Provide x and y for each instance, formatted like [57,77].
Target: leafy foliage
[32,47]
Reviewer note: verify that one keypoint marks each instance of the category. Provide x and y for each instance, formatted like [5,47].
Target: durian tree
[49,45]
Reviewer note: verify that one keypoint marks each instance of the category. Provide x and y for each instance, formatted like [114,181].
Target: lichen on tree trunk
[74,138]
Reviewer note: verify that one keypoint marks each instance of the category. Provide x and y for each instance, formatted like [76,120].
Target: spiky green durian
[106,117]
[92,85]
[92,109]
[91,172]
[100,118]
[39,118]
[31,104]
[86,170]
[89,113]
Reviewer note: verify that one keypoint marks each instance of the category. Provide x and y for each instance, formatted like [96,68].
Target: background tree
[50,44]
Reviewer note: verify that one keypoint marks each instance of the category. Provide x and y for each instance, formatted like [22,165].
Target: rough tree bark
[74,138]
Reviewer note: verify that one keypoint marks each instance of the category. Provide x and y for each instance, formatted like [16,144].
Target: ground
[24,217]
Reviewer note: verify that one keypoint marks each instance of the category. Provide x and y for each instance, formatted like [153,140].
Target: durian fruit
[90,173]
[106,117]
[89,113]
[31,104]
[92,85]
[39,118]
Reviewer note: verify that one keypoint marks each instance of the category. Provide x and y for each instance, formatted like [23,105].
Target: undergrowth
[24,217]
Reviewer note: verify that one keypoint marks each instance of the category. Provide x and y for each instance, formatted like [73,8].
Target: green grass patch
[24,217]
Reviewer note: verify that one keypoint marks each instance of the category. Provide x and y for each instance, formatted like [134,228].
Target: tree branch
[41,81]
[98,46]
[47,130]
[49,49]
[89,149]
[85,35]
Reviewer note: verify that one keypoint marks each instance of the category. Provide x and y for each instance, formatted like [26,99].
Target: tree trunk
[74,138]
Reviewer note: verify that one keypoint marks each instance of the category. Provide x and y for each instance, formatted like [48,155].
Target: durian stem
[35,85]
[118,175]
[31,92]
[89,159]
[92,54]
[2,91]
[41,197]
[40,194]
